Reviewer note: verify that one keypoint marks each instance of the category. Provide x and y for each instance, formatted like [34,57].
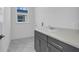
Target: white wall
[1,18]
[0,28]
[4,43]
[22,30]
[61,17]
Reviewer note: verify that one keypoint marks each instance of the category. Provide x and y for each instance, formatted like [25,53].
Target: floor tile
[22,45]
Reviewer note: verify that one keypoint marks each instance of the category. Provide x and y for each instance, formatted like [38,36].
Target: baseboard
[23,38]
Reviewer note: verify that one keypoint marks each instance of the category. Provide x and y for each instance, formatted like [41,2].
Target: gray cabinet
[36,42]
[37,45]
[40,42]
[45,43]
[63,47]
[52,48]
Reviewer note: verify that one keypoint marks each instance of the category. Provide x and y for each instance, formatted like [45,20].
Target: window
[21,18]
[22,14]
[22,10]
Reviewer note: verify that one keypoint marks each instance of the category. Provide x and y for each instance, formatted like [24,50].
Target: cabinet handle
[57,46]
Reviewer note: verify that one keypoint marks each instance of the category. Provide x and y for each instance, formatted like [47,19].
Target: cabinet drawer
[55,42]
[41,35]
[51,48]
[57,46]
[64,46]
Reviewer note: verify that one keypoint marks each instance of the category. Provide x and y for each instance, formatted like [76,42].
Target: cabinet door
[43,45]
[51,48]
[69,48]
[37,45]
[36,42]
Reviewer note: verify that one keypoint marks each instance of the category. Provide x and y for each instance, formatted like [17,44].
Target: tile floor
[22,45]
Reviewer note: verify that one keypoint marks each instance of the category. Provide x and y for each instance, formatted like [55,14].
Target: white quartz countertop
[65,35]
